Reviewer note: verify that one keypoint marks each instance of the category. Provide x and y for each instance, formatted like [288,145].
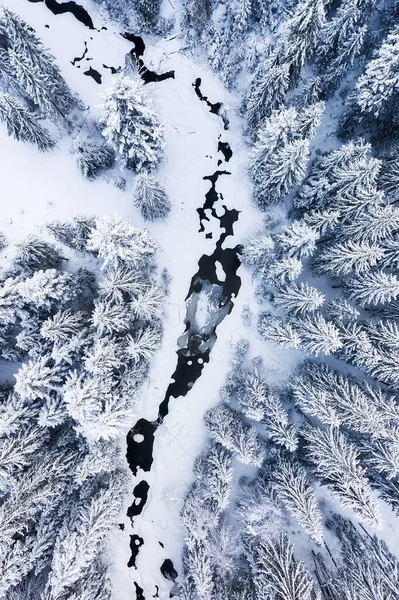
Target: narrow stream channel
[217,277]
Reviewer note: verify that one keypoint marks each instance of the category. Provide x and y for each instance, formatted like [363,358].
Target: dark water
[214,107]
[137,52]
[135,544]
[60,8]
[168,570]
[140,494]
[139,592]
[114,70]
[79,58]
[94,74]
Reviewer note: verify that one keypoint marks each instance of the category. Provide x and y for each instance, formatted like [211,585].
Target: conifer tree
[336,462]
[130,125]
[376,89]
[150,197]
[117,242]
[378,287]
[92,157]
[22,124]
[228,429]
[274,568]
[292,487]
[298,299]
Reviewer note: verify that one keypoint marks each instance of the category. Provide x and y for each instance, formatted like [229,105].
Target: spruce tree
[22,124]
[130,125]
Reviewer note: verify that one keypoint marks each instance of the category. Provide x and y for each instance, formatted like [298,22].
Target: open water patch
[61,8]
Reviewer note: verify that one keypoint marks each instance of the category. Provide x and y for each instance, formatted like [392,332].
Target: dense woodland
[297,485]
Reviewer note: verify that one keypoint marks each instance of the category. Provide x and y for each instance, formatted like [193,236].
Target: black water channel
[217,278]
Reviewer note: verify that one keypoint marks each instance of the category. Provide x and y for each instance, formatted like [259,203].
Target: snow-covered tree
[92,157]
[298,240]
[377,88]
[117,242]
[373,288]
[33,254]
[260,404]
[47,288]
[130,125]
[150,197]
[23,124]
[298,299]
[292,486]
[280,154]
[228,429]
[31,68]
[79,543]
[275,329]
[73,234]
[275,570]
[336,462]
[348,257]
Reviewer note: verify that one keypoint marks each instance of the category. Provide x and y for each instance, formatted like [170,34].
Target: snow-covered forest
[199,304]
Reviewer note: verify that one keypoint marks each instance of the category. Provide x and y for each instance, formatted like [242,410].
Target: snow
[40,188]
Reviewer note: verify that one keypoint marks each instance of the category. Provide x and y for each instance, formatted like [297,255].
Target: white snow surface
[38,188]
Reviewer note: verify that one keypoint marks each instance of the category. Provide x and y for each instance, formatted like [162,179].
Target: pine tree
[338,399]
[285,169]
[293,488]
[33,254]
[302,33]
[117,242]
[131,126]
[25,52]
[372,225]
[121,283]
[22,124]
[62,326]
[92,158]
[316,334]
[36,84]
[298,240]
[218,474]
[148,304]
[267,92]
[376,89]
[74,234]
[143,344]
[228,429]
[348,257]
[47,289]
[110,318]
[37,379]
[275,329]
[298,299]
[150,197]
[260,508]
[373,288]
[258,403]
[283,270]
[341,311]
[336,462]
[274,568]
[78,545]
[389,177]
